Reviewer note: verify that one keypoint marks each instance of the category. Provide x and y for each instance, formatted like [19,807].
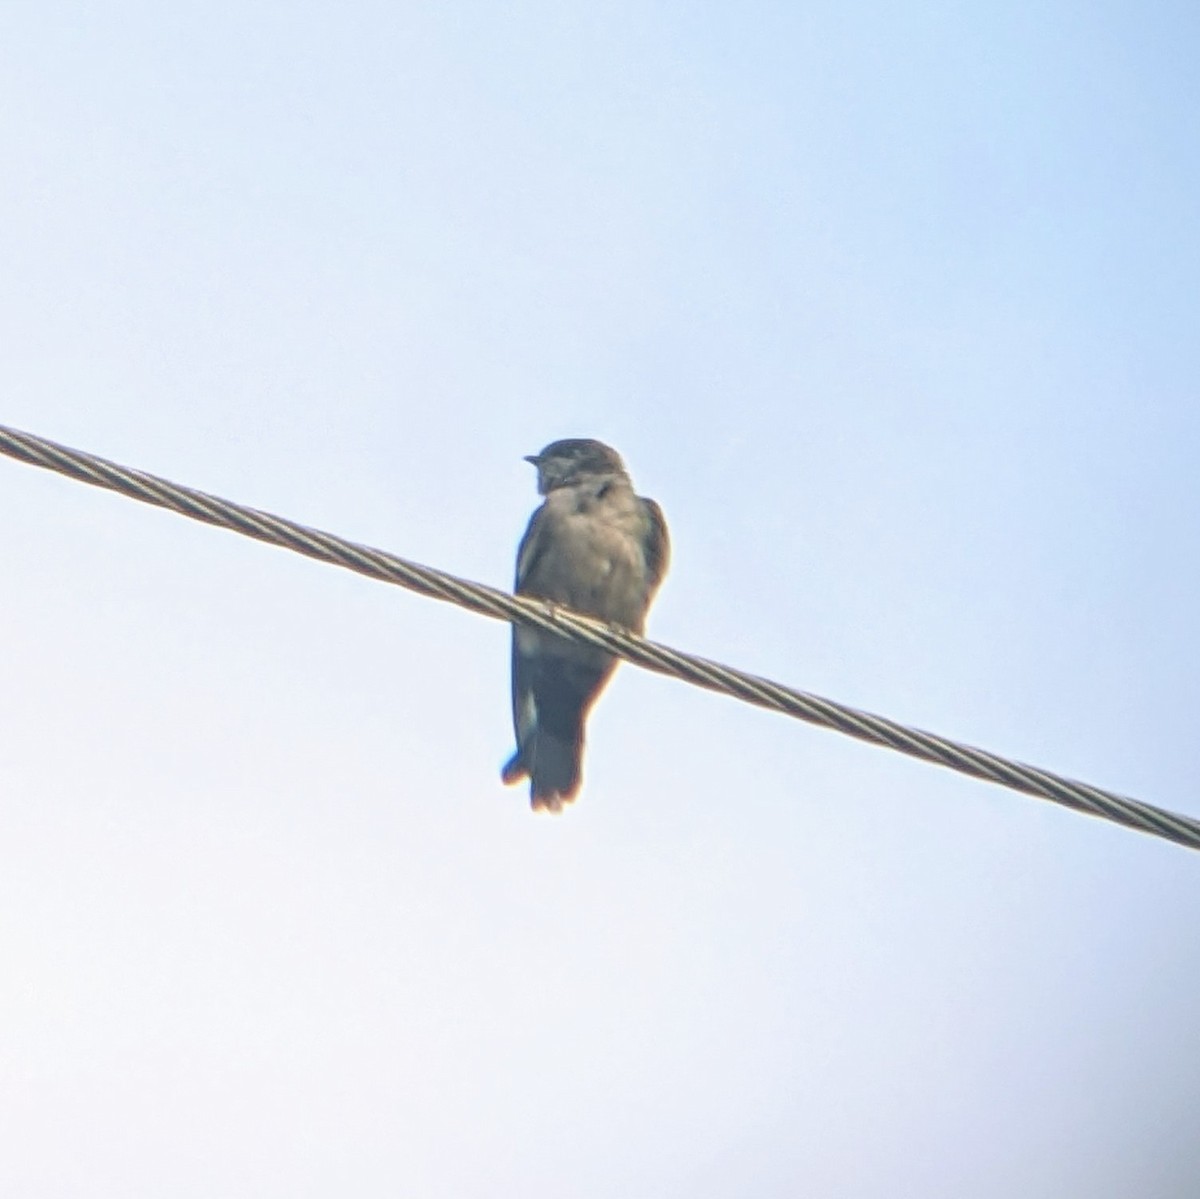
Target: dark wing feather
[521,684]
[529,554]
[657,546]
[531,550]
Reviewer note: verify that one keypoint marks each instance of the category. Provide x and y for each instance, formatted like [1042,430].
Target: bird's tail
[551,754]
[554,775]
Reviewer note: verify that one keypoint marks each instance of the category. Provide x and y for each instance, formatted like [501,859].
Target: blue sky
[895,312]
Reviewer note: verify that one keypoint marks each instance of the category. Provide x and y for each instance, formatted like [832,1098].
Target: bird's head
[563,463]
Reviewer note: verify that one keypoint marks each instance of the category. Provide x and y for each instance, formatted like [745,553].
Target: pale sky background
[895,309]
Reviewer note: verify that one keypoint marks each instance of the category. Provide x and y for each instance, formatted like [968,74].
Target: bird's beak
[534,458]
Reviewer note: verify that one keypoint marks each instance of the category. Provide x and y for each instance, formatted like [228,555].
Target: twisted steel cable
[487,601]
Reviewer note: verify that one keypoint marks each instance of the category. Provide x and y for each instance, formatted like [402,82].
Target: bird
[598,548]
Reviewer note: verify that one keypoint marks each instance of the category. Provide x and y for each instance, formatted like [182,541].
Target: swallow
[598,548]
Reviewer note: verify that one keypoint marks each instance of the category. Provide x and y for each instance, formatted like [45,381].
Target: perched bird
[598,548]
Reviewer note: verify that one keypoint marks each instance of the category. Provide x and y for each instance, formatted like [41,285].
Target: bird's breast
[595,562]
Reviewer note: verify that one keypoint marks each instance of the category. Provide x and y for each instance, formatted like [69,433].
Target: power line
[487,601]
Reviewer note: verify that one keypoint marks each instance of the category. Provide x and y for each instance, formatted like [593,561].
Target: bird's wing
[531,550]
[524,704]
[531,553]
[656,545]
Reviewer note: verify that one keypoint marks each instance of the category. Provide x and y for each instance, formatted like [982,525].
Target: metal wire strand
[487,601]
